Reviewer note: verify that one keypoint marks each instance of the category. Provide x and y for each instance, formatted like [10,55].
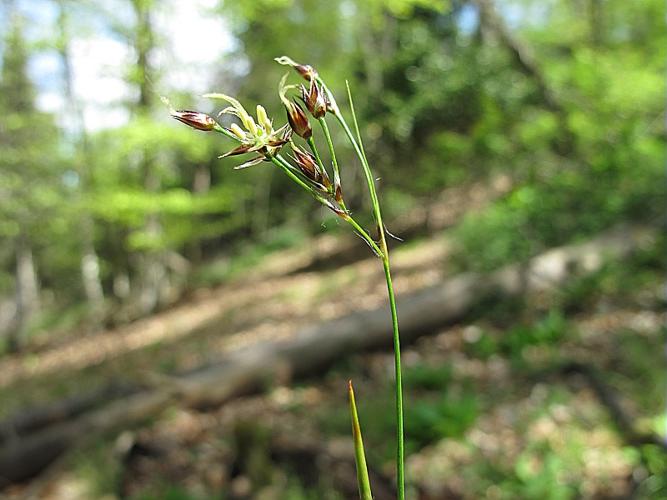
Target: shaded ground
[499,425]
[489,410]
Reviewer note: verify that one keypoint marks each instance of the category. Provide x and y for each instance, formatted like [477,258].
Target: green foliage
[445,415]
[427,377]
[440,100]
[440,409]
[482,347]
[568,205]
[640,356]
[617,282]
[167,492]
[655,483]
[436,407]
[513,343]
[297,491]
[98,468]
[550,330]
[30,169]
[542,481]
[614,165]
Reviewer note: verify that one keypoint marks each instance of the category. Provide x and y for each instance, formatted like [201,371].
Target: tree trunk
[596,22]
[90,273]
[27,292]
[153,272]
[90,267]
[201,183]
[34,419]
[154,278]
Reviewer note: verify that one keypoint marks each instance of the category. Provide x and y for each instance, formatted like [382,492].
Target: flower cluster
[260,137]
[257,137]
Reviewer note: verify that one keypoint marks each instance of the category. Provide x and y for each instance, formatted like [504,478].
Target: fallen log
[317,347]
[38,417]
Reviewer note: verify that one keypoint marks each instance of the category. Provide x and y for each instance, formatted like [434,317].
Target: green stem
[220,129]
[358,148]
[334,160]
[313,148]
[368,174]
[400,446]
[362,232]
[325,129]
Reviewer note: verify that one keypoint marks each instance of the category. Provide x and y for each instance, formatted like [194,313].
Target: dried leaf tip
[305,70]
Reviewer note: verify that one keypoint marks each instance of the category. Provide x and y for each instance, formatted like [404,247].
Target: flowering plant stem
[384,256]
[334,161]
[381,251]
[266,142]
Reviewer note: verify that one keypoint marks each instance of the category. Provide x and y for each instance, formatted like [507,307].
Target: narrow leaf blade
[359,454]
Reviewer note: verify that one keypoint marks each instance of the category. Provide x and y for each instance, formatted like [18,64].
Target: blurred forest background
[133,260]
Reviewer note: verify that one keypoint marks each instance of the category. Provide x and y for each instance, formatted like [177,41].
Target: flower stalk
[359,149]
[308,171]
[357,145]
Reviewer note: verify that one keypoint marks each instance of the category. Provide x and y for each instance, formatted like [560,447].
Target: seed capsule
[195,119]
[314,99]
[298,120]
[310,168]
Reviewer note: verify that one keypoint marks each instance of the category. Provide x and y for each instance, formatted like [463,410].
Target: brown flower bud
[306,71]
[338,192]
[314,99]
[195,119]
[298,120]
[308,165]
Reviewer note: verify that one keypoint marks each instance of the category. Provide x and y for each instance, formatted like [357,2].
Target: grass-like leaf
[359,454]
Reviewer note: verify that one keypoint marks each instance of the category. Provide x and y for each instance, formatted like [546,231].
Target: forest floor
[494,408]
[271,298]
